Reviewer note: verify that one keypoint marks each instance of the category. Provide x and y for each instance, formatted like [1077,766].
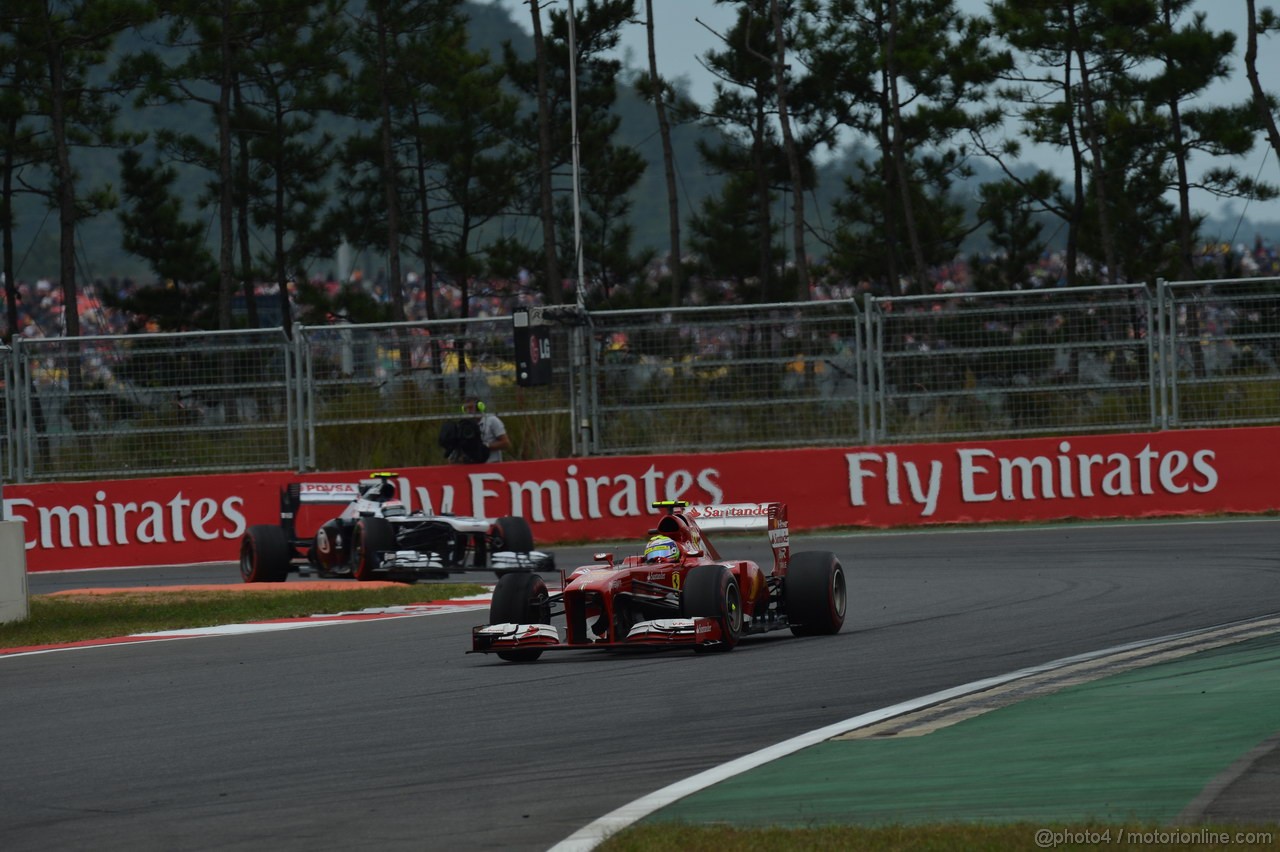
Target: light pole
[573,125]
[578,336]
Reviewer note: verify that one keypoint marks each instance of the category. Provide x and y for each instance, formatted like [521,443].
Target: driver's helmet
[377,489]
[661,549]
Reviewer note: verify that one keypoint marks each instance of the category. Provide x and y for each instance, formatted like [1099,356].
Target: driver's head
[378,488]
[661,549]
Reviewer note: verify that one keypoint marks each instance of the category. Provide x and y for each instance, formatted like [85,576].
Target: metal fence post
[1162,350]
[10,432]
[875,371]
[302,426]
[581,438]
[22,414]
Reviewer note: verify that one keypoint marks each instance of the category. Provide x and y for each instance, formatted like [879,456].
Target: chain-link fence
[153,404]
[726,377]
[1222,348]
[950,366]
[1012,363]
[377,395]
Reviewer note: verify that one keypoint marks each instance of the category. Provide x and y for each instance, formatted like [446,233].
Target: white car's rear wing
[328,492]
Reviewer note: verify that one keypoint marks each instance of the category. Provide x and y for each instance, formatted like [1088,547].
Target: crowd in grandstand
[40,302]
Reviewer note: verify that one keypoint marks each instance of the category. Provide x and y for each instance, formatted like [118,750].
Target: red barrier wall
[174,520]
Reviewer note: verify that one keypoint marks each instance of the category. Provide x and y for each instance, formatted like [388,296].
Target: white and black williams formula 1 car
[376,538]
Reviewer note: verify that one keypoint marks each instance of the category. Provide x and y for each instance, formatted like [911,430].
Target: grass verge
[56,619]
[953,837]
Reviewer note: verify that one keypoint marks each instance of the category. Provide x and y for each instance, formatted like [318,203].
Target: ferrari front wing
[658,633]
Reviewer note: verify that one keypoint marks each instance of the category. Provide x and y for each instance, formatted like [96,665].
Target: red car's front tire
[711,591]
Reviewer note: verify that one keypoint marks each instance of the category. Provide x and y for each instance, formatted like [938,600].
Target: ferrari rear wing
[737,516]
[745,517]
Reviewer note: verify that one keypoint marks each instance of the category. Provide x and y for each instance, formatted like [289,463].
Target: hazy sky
[683,35]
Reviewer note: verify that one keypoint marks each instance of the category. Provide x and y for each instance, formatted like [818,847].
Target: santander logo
[754,510]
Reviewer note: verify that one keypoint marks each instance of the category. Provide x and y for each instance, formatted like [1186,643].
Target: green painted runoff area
[1137,746]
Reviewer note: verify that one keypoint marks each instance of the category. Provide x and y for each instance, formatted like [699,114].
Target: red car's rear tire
[816,594]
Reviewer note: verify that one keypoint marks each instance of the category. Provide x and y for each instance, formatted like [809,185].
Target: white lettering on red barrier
[983,476]
[572,497]
[175,520]
[105,523]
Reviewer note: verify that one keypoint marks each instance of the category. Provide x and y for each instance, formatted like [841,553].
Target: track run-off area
[384,731]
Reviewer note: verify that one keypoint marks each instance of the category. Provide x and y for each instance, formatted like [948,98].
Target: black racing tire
[520,599]
[510,533]
[264,555]
[816,594]
[369,537]
[711,591]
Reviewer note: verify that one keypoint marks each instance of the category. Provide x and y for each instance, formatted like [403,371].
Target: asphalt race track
[388,735]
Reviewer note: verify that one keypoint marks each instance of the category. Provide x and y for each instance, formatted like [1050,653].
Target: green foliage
[921,77]
[170,452]
[734,239]
[56,53]
[609,167]
[1250,395]
[1126,117]
[738,224]
[174,248]
[300,93]
[405,434]
[476,169]
[1009,207]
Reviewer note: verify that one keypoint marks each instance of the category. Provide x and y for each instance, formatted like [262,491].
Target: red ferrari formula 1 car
[680,592]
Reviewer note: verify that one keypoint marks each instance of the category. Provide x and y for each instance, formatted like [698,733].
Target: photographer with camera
[477,438]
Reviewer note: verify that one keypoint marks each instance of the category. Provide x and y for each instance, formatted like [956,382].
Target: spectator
[493,433]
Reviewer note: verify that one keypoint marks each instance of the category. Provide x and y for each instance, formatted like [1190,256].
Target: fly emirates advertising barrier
[180,520]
